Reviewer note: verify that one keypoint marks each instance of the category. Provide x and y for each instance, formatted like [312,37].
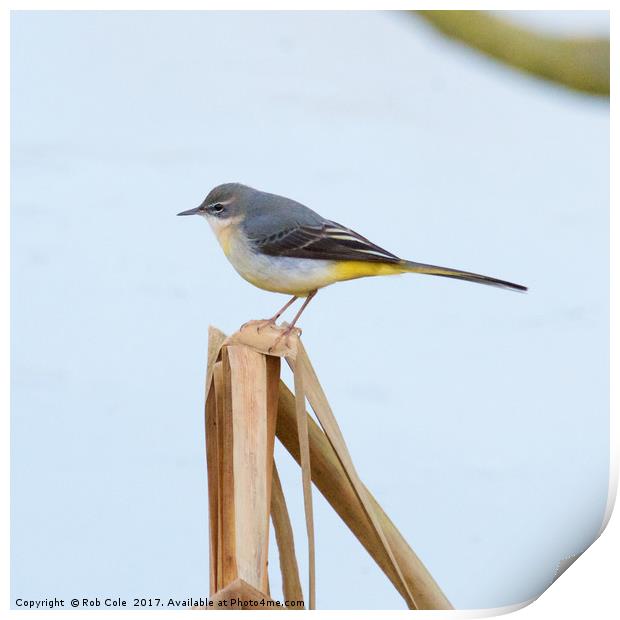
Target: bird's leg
[281,311]
[278,314]
[303,307]
[287,332]
[272,321]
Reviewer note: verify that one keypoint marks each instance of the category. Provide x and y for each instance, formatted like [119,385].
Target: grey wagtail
[283,246]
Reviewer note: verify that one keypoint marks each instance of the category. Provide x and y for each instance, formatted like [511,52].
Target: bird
[280,245]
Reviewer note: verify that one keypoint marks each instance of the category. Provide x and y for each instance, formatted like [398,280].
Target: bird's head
[223,204]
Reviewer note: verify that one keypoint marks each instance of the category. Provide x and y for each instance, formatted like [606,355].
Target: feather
[327,241]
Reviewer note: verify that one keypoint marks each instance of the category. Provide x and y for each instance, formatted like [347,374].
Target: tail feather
[446,272]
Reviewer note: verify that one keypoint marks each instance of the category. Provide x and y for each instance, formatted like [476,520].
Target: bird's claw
[284,335]
[264,324]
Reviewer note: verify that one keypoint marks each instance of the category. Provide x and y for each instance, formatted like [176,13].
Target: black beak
[191,211]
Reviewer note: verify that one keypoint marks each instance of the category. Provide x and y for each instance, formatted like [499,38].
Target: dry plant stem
[240,418]
[323,412]
[302,433]
[395,558]
[330,478]
[216,340]
[291,585]
[213,459]
[224,539]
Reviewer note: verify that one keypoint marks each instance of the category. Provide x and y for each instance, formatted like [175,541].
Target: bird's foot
[284,336]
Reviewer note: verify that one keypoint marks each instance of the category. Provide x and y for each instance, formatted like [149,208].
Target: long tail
[446,272]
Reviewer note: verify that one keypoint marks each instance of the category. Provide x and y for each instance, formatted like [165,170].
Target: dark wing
[327,240]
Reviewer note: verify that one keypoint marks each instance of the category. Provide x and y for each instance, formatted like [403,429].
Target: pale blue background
[478,417]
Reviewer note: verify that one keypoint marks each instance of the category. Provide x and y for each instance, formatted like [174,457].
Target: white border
[586,589]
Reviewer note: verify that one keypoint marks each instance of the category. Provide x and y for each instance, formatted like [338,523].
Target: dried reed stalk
[291,585]
[331,480]
[333,473]
[240,418]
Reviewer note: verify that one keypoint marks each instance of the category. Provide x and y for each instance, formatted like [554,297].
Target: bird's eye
[216,208]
